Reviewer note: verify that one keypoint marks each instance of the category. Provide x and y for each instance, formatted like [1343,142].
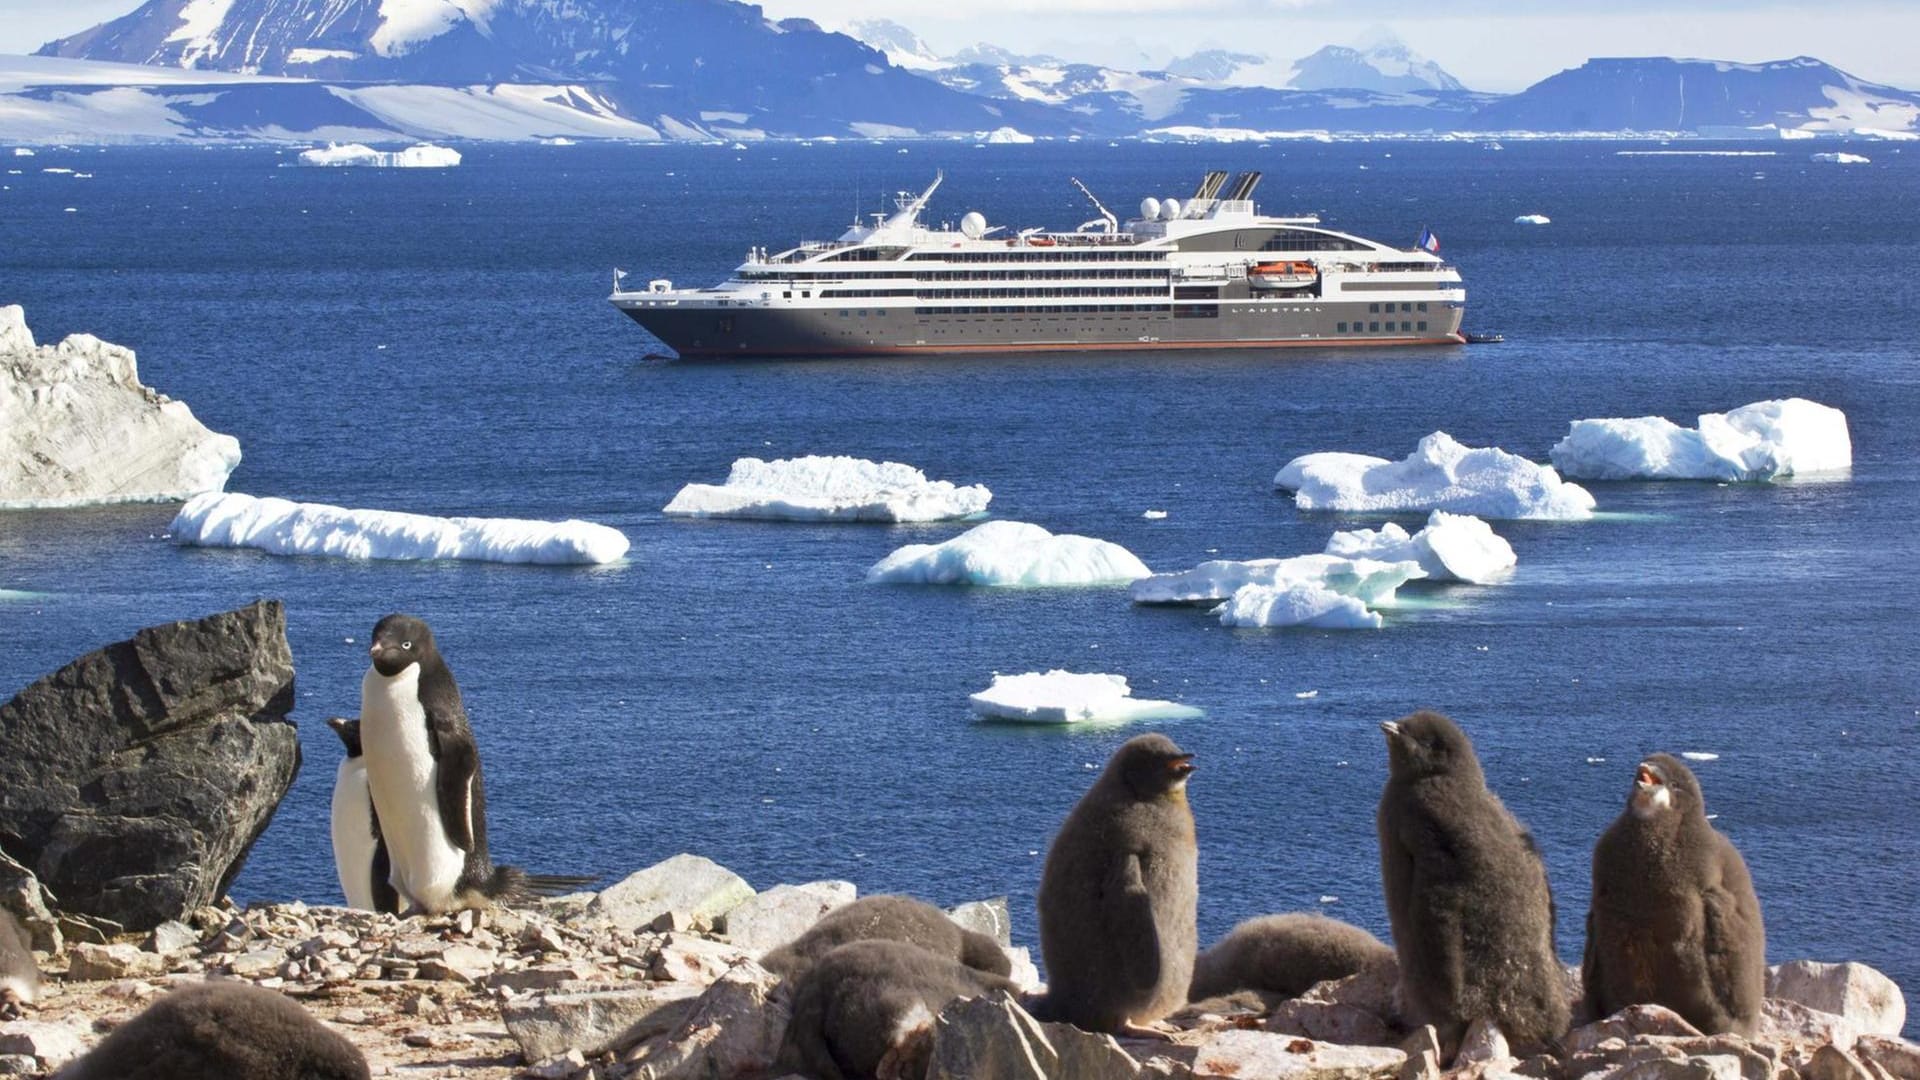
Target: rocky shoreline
[655,978]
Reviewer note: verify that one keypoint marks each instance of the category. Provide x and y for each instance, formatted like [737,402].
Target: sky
[1498,45]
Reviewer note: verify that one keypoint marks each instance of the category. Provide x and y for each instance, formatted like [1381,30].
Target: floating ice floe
[1440,474]
[1010,553]
[1297,604]
[1533,219]
[281,527]
[78,428]
[1699,755]
[21,151]
[1369,580]
[829,489]
[1453,547]
[423,156]
[1064,697]
[1762,441]
[1843,159]
[1154,515]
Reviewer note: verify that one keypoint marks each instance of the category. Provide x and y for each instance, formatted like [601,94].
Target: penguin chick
[1284,955]
[888,918]
[1674,919]
[1118,894]
[858,1009]
[19,972]
[359,852]
[222,1031]
[1466,892]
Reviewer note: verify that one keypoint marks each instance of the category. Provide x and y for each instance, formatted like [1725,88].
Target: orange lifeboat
[1285,274]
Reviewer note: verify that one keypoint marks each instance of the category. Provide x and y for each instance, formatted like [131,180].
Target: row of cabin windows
[1375,309]
[1076,254]
[1070,309]
[1373,327]
[1096,274]
[994,294]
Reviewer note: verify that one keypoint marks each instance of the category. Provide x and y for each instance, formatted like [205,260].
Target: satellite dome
[1169,209]
[1149,208]
[973,225]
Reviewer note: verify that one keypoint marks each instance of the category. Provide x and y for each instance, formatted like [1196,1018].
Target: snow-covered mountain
[1663,94]
[1379,62]
[902,47]
[712,64]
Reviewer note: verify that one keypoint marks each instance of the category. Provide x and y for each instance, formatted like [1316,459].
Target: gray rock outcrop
[134,781]
[77,427]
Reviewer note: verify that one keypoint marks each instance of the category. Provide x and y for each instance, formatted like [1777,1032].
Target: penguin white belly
[403,778]
[353,841]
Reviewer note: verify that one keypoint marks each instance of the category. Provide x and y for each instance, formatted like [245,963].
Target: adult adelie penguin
[19,973]
[222,1031]
[1674,920]
[1284,955]
[857,1009]
[423,771]
[1118,894]
[1466,892]
[359,853]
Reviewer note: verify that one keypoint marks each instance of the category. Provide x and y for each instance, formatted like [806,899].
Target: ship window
[1343,328]
[1406,307]
[1421,306]
[1422,324]
[1406,325]
[1372,327]
[843,313]
[1373,309]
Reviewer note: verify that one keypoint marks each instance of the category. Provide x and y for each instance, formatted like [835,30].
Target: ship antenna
[1106,215]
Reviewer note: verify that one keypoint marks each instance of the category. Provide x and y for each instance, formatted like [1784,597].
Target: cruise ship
[1209,272]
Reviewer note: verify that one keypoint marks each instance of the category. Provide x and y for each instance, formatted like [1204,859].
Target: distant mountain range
[720,70]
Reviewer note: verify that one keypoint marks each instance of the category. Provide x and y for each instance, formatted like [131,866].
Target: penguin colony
[1674,920]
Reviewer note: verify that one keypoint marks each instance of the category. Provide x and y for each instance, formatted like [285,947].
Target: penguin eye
[406,644]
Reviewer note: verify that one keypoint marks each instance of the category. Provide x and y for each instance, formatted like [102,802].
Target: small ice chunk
[1762,441]
[1699,755]
[280,527]
[1533,219]
[1155,515]
[1596,761]
[1440,474]
[1367,580]
[421,156]
[1329,898]
[1452,547]
[829,489]
[1010,553]
[1297,603]
[1843,159]
[1307,694]
[1064,697]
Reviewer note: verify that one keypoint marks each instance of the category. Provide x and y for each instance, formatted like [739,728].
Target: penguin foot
[1131,1030]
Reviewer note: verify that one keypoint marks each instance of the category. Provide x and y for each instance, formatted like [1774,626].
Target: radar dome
[1170,209]
[1149,208]
[974,225]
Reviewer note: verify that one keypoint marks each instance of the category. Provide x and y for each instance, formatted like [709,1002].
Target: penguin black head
[1428,744]
[1151,766]
[1664,785]
[349,732]
[400,640]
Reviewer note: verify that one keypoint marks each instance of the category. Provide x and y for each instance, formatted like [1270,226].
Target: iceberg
[1297,604]
[1533,219]
[423,156]
[281,527]
[1370,581]
[1440,474]
[1006,136]
[1843,159]
[1010,553]
[78,428]
[1453,547]
[1762,441]
[1063,697]
[829,489]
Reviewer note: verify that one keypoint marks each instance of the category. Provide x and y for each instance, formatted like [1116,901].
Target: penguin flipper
[458,774]
[1128,913]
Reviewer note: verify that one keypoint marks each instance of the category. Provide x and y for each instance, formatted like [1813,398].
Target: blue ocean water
[439,341]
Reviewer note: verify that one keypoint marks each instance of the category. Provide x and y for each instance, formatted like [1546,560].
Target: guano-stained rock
[1867,999]
[993,1036]
[689,883]
[549,1025]
[1260,1055]
[734,1029]
[770,919]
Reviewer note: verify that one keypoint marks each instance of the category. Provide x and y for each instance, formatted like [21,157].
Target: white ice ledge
[280,527]
[422,156]
[1440,474]
[829,489]
[1010,553]
[1063,697]
[1762,441]
[77,427]
[1452,547]
[1324,591]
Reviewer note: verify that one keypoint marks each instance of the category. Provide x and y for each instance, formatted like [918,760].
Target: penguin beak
[1181,767]
[1645,777]
[1391,728]
[337,723]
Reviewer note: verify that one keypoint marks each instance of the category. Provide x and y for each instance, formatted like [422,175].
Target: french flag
[1429,242]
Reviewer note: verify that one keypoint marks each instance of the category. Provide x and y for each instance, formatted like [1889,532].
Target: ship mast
[1106,218]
